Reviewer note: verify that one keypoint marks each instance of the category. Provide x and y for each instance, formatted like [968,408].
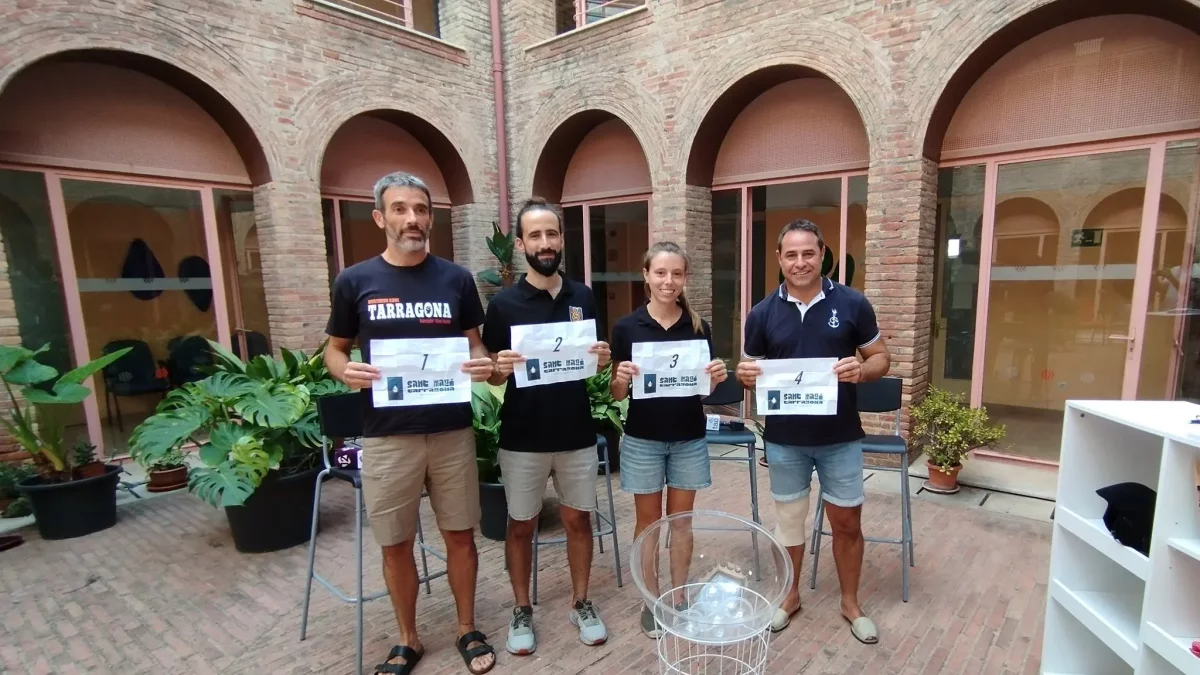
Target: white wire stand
[721,591]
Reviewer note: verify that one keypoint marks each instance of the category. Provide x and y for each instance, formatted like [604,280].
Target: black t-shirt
[550,417]
[835,326]
[375,300]
[668,420]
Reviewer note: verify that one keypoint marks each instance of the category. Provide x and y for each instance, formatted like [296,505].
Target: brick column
[10,335]
[295,271]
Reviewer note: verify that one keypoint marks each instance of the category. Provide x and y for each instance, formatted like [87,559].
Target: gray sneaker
[650,625]
[520,632]
[591,629]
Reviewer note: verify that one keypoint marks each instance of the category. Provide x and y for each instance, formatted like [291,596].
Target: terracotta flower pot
[942,481]
[168,479]
[91,470]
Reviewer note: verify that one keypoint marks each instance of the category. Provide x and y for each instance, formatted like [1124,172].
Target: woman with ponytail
[664,444]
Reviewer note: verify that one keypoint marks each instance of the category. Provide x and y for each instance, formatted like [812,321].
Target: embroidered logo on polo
[834,322]
[576,313]
[392,309]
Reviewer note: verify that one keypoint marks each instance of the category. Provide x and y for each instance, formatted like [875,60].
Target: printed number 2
[799,377]
[674,360]
[424,361]
[557,343]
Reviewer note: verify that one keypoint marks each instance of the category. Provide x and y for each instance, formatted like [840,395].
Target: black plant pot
[277,516]
[493,506]
[613,438]
[73,509]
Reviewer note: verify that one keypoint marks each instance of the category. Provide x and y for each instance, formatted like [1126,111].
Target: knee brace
[790,530]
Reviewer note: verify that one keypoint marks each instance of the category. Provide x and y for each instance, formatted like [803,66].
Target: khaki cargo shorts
[397,468]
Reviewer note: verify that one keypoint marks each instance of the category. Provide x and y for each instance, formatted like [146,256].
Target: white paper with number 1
[422,371]
[797,387]
[554,352]
[670,369]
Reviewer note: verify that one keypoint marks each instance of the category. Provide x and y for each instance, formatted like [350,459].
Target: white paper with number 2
[671,369]
[422,371]
[554,352]
[797,387]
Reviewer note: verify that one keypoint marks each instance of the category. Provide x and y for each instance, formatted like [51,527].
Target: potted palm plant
[485,405]
[608,414]
[947,429]
[65,504]
[255,424]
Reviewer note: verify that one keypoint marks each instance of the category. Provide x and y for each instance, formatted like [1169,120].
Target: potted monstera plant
[947,429]
[255,424]
[608,414]
[65,503]
[485,406]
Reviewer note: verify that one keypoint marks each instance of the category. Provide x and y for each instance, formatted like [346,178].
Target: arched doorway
[129,222]
[367,147]
[783,143]
[594,166]
[1069,169]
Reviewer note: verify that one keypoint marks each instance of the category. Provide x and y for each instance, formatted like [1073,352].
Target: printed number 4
[557,343]
[799,377]
[674,360]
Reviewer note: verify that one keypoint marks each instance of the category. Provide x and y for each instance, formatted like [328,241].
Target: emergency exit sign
[1084,238]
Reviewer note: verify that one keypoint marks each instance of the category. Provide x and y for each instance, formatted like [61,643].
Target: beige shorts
[397,468]
[525,475]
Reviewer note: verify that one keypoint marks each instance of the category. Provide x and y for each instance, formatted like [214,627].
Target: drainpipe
[498,97]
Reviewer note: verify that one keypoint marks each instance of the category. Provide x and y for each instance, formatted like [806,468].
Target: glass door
[247,309]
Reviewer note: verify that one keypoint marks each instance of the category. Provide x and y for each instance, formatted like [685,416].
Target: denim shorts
[839,468]
[647,466]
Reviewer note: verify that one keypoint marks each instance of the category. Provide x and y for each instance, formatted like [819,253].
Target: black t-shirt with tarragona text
[375,300]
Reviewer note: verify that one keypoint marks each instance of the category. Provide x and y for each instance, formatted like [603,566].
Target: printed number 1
[799,377]
[557,343]
[424,361]
[674,360]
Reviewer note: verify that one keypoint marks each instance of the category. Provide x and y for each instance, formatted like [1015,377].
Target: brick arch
[576,110]
[184,59]
[963,46]
[458,153]
[608,140]
[710,103]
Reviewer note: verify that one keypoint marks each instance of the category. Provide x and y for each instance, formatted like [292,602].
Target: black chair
[340,416]
[134,374]
[882,396]
[730,394]
[256,345]
[186,356]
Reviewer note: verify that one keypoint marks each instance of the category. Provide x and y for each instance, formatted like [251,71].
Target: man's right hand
[505,361]
[748,372]
[359,375]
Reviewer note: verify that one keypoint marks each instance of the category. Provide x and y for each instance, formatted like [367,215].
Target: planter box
[493,506]
[277,516]
[73,509]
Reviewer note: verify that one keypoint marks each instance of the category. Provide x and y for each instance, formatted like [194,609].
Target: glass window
[1173,321]
[727,274]
[567,12]
[424,12]
[248,298]
[619,237]
[777,205]
[572,243]
[361,237]
[959,233]
[441,236]
[330,239]
[856,233]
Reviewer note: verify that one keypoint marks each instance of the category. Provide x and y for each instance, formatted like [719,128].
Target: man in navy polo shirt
[810,316]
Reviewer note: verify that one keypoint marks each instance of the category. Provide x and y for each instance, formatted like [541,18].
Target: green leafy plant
[83,453]
[38,425]
[501,245]
[12,473]
[18,508]
[485,407]
[607,412]
[172,459]
[947,428]
[247,418]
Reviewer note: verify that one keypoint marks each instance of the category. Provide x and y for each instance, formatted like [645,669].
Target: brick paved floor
[165,592]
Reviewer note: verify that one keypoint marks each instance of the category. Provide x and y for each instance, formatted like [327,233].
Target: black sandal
[473,653]
[411,658]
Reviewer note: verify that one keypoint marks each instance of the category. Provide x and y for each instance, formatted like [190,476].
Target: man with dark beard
[546,429]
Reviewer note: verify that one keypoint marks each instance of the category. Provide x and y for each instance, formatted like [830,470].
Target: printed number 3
[557,343]
[674,360]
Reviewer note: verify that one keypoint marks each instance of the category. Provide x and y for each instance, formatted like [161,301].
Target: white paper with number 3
[422,371]
[797,387]
[554,352]
[671,369]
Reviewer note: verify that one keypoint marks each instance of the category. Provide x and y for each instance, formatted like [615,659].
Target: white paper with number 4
[670,369]
[554,352]
[797,387]
[423,371]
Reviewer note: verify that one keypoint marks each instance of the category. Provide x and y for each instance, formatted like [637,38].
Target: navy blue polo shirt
[668,420]
[838,322]
[551,417]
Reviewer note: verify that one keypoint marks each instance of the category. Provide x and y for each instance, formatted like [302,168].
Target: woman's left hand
[717,371]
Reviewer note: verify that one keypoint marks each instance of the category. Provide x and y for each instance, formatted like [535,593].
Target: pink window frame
[65,257]
[339,255]
[587,219]
[1156,145]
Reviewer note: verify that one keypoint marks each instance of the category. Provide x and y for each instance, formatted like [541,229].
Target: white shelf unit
[1111,610]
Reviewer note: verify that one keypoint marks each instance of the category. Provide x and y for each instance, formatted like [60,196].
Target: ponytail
[674,249]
